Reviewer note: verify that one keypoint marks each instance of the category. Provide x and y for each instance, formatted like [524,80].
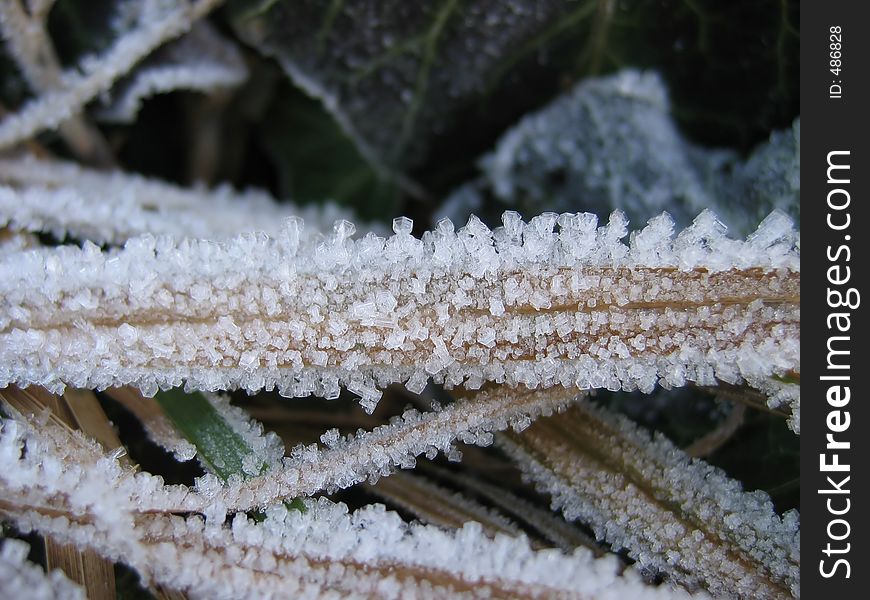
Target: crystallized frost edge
[20,578]
[526,304]
[345,461]
[202,60]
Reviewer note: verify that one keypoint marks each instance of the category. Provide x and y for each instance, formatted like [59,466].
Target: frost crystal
[22,579]
[581,309]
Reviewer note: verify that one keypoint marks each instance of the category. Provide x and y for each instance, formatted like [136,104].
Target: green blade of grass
[221,449]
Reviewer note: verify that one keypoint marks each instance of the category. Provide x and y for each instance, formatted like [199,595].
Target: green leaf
[417,82]
[221,449]
[219,446]
[392,73]
[316,161]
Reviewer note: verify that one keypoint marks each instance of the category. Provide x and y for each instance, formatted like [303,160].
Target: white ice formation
[556,301]
[20,578]
[65,199]
[80,497]
[674,515]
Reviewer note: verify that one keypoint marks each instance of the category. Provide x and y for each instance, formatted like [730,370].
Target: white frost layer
[367,553]
[673,514]
[556,301]
[22,579]
[65,199]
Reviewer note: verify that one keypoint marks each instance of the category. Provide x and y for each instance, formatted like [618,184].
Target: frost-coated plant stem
[675,515]
[525,304]
[61,484]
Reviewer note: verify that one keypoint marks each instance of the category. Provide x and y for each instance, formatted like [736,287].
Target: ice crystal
[582,309]
[22,579]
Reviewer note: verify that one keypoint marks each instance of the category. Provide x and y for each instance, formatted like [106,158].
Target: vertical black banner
[835,419]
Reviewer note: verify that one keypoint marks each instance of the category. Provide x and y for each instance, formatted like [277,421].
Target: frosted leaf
[768,179]
[265,448]
[394,75]
[611,143]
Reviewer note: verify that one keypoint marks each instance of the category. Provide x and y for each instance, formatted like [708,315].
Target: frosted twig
[370,552]
[29,44]
[157,23]
[367,456]
[673,514]
[200,60]
[308,470]
[521,305]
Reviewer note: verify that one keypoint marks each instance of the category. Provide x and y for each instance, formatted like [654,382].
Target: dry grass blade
[674,515]
[90,418]
[95,573]
[553,527]
[436,505]
[77,409]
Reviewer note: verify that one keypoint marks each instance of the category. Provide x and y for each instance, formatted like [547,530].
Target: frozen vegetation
[644,262]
